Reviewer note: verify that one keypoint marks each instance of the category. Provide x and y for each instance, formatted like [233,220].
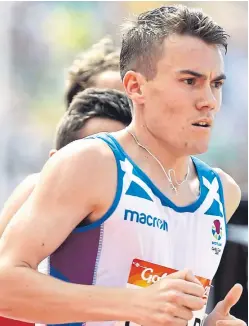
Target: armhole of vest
[221,193]
[119,186]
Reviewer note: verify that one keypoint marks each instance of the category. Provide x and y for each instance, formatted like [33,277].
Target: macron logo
[142,218]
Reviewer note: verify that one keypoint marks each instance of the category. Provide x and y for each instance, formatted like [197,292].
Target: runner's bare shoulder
[85,167]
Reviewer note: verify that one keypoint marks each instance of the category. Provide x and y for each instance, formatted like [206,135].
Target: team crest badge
[217,230]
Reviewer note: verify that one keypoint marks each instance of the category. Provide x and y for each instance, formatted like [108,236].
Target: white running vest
[141,228]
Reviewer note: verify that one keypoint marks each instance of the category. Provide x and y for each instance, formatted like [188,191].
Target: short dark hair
[142,37]
[90,103]
[101,57]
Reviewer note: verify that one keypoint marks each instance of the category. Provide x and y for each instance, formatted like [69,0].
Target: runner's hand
[171,301]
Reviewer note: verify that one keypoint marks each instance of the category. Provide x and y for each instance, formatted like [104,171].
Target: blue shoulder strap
[207,176]
[119,155]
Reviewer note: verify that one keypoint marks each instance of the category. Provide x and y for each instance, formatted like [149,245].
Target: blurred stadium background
[38,42]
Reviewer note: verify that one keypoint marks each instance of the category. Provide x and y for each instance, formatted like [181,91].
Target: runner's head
[172,69]
[96,67]
[93,111]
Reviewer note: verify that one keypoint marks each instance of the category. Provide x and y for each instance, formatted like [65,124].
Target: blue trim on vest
[135,190]
[221,193]
[120,175]
[214,209]
[71,324]
[200,169]
[55,273]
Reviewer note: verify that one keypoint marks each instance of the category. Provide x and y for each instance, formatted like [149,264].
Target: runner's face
[185,91]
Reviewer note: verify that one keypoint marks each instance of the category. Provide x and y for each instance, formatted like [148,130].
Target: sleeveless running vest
[144,224]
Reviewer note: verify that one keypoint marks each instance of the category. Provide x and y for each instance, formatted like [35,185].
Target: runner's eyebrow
[222,76]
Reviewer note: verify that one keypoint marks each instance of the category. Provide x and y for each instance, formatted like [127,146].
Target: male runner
[140,197]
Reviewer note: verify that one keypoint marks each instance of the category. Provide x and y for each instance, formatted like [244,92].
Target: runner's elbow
[6,285]
[10,281]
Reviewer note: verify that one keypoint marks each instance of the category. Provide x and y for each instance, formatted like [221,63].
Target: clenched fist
[170,301]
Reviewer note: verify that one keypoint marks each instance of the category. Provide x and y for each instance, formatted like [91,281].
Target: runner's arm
[16,200]
[71,184]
